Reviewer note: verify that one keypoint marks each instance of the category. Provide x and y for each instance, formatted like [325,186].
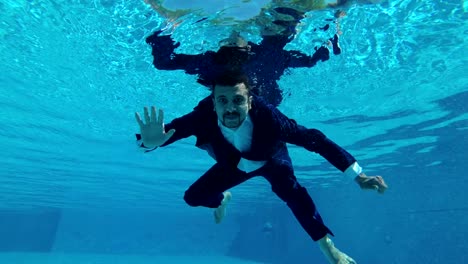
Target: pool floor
[64,258]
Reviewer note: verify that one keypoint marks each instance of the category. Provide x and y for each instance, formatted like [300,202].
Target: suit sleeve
[184,126]
[311,139]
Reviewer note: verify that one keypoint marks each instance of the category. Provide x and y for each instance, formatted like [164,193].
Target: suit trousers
[208,191]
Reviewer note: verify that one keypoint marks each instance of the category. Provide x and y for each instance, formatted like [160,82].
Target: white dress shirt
[241,139]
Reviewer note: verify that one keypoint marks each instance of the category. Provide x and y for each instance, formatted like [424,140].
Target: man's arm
[314,140]
[311,139]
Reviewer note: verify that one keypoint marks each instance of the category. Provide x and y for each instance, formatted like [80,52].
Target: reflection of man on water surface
[263,63]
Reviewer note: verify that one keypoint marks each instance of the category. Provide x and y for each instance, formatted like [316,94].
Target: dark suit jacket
[271,131]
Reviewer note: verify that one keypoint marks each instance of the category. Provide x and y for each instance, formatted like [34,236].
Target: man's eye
[238,101]
[222,101]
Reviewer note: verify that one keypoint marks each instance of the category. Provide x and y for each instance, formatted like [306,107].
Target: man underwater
[247,137]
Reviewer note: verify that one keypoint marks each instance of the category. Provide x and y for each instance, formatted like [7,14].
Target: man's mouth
[231,116]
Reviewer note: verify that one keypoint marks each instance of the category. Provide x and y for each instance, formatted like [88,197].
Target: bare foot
[220,212]
[333,255]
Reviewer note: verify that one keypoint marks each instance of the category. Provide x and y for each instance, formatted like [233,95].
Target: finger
[379,178]
[153,114]
[376,181]
[381,182]
[170,133]
[138,119]
[161,117]
[147,118]
[382,188]
[384,184]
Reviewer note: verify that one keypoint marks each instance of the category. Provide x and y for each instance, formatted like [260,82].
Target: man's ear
[250,101]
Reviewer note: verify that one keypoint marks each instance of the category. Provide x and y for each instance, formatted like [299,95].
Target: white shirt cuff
[353,170]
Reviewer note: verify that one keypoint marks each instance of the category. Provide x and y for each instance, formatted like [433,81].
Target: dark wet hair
[232,55]
[230,78]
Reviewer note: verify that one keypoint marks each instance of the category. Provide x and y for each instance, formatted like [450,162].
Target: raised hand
[152,130]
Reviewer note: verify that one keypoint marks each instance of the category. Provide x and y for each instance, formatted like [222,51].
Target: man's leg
[210,190]
[280,174]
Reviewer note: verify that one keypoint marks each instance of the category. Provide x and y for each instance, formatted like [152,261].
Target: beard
[231,120]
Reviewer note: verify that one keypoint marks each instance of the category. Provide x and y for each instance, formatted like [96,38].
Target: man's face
[232,104]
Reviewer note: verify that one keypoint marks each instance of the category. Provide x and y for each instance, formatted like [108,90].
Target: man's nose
[230,107]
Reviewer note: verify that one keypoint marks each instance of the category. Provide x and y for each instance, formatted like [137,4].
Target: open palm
[152,130]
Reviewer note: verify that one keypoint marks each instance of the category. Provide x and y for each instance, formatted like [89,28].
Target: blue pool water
[75,189]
